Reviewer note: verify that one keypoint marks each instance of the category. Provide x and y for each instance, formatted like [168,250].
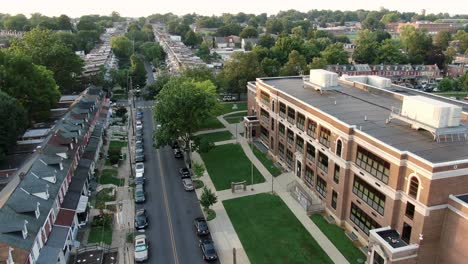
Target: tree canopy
[14,121]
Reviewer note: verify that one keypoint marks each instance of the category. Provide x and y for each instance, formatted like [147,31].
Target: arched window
[339,146]
[413,187]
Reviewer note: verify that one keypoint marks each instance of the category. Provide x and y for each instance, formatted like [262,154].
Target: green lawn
[100,231]
[235,118]
[228,163]
[117,145]
[339,239]
[268,163]
[227,107]
[109,176]
[216,136]
[270,233]
[453,94]
[103,196]
[211,123]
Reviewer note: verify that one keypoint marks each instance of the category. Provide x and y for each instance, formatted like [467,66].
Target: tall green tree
[442,39]
[249,32]
[14,121]
[335,54]
[238,70]
[366,47]
[192,39]
[416,43]
[296,65]
[45,48]
[63,23]
[266,41]
[318,63]
[19,23]
[207,199]
[389,52]
[138,72]
[271,67]
[32,85]
[183,105]
[122,47]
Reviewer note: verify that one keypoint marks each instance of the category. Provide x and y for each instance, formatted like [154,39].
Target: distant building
[395,72]
[252,41]
[228,42]
[430,27]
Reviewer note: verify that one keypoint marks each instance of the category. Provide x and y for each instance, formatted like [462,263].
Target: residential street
[170,208]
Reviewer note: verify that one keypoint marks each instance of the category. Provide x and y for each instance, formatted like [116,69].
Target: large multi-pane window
[281,130]
[299,144]
[409,211]
[324,137]
[281,150]
[290,137]
[336,174]
[291,115]
[310,152]
[309,176]
[323,162]
[321,186]
[311,128]
[282,110]
[376,166]
[264,133]
[265,98]
[300,121]
[289,158]
[369,194]
[413,187]
[334,199]
[362,220]
[265,116]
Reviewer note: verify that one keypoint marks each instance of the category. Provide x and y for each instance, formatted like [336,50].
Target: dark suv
[201,226]
[208,249]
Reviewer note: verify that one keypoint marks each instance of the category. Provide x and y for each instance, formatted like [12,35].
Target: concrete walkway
[223,232]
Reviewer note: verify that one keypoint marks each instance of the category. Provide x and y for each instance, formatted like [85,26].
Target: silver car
[188,184]
[141,248]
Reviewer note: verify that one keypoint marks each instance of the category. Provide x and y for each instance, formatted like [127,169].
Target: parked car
[139,169]
[139,125]
[139,146]
[184,172]
[141,248]
[139,133]
[138,139]
[140,194]
[201,226]
[141,219]
[139,157]
[208,249]
[178,153]
[188,184]
[140,180]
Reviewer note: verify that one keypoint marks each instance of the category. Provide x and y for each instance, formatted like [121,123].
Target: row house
[396,185]
[394,72]
[28,217]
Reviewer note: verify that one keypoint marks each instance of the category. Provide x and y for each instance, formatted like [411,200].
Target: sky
[137,8]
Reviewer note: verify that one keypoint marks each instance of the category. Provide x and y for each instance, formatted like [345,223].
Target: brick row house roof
[28,216]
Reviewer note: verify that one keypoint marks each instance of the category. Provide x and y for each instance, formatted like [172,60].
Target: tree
[271,67]
[63,23]
[390,18]
[266,41]
[207,199]
[445,85]
[14,121]
[157,85]
[296,65]
[121,111]
[249,32]
[153,52]
[45,48]
[389,52]
[248,46]
[229,29]
[32,85]
[204,52]
[442,39]
[372,22]
[462,38]
[318,63]
[183,105]
[366,47]
[238,70]
[138,72]
[334,54]
[18,23]
[198,169]
[122,47]
[192,39]
[416,43]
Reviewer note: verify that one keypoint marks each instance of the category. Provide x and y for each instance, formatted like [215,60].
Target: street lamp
[251,162]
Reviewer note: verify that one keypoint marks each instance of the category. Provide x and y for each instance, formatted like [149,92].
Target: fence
[305,198]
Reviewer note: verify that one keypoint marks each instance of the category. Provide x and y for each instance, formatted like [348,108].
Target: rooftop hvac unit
[431,112]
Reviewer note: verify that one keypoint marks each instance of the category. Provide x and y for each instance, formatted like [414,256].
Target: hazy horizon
[210,7]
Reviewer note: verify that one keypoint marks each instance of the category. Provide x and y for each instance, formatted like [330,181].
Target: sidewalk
[224,234]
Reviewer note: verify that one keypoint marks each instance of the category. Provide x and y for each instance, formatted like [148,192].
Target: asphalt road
[170,208]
